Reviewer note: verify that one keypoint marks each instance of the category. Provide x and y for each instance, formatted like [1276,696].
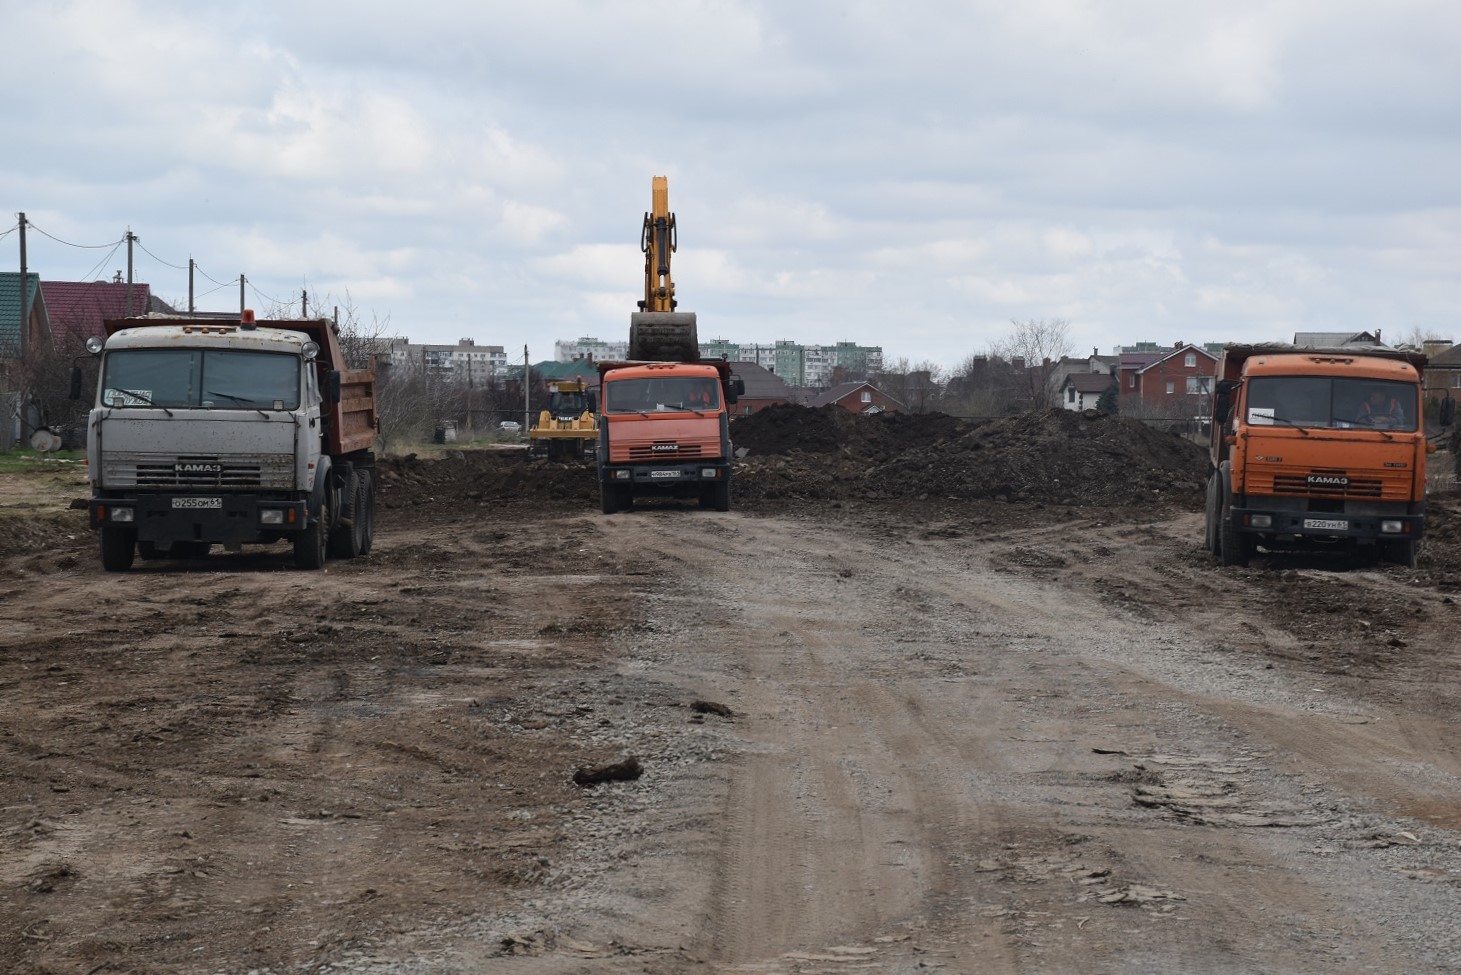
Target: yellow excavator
[658,333]
[567,429]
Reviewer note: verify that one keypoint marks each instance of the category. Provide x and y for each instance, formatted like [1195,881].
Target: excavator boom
[658,333]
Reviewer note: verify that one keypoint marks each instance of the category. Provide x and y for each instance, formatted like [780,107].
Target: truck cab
[209,432]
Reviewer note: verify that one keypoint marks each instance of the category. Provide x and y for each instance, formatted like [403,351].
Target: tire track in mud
[1000,758]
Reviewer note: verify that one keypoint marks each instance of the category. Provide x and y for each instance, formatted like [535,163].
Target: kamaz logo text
[181,468]
[1328,480]
[664,446]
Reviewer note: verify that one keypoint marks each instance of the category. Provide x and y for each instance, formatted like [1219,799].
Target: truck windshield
[661,395]
[207,378]
[1332,402]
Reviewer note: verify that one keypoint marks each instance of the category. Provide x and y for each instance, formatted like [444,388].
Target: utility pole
[527,408]
[24,293]
[190,285]
[241,282]
[130,238]
[304,304]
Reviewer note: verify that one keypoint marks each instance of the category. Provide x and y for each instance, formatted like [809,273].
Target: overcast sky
[913,175]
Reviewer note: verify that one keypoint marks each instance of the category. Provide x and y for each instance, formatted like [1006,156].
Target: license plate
[1326,524]
[197,502]
[664,473]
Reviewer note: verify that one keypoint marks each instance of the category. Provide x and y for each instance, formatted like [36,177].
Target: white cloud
[890,175]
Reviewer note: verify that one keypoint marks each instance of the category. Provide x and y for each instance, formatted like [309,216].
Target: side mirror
[593,402]
[1226,387]
[734,387]
[74,390]
[332,387]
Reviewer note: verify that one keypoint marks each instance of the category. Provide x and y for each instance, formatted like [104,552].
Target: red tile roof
[78,308]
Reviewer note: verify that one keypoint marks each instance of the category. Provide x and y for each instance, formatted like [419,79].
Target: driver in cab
[1380,409]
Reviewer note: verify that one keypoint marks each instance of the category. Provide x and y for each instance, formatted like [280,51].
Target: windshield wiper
[147,400]
[239,400]
[1293,423]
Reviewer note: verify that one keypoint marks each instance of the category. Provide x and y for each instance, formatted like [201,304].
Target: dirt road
[971,737]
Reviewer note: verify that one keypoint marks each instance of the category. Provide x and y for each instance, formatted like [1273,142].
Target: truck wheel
[1234,547]
[608,498]
[118,548]
[720,495]
[367,536]
[1405,553]
[311,545]
[1212,511]
[344,538]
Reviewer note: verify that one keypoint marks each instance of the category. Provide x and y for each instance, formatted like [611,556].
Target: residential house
[1129,364]
[20,343]
[1176,385]
[1334,340]
[763,388]
[1083,390]
[858,397]
[1443,370]
[77,309]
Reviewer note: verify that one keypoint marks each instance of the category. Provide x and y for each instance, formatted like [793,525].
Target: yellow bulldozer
[567,429]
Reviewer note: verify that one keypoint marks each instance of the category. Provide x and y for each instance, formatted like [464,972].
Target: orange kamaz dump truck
[664,431]
[1317,449]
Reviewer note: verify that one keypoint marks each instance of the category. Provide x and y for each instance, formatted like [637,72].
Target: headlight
[123,514]
[623,475]
[707,472]
[271,516]
[1260,521]
[1392,527]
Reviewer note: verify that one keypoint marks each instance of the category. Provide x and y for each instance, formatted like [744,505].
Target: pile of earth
[480,478]
[800,454]
[1052,457]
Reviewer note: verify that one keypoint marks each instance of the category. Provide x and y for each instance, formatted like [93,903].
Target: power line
[10,231]
[261,294]
[221,284]
[177,267]
[31,224]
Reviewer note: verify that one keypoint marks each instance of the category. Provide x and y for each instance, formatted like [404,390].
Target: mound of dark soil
[1054,457]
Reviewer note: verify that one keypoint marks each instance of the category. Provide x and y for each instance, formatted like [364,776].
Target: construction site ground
[935,695]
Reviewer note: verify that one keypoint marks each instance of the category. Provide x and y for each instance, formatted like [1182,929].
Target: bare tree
[1036,346]
[983,385]
[917,385]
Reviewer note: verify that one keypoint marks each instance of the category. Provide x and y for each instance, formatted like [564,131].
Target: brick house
[860,397]
[1177,385]
[763,388]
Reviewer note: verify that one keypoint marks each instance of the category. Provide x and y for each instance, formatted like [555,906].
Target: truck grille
[647,452]
[196,471]
[1358,487]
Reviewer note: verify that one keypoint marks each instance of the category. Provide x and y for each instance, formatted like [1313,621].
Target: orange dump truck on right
[1317,449]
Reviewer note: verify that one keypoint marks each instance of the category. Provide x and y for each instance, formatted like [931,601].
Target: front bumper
[666,478]
[218,518]
[1408,523]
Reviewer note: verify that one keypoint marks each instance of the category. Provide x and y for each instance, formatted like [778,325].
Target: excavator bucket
[663,336]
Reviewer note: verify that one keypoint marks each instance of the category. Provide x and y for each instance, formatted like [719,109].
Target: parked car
[510,426]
